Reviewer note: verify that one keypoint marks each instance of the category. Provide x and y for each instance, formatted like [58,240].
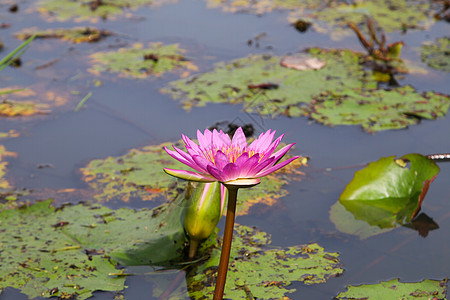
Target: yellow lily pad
[74,35]
[36,99]
[10,134]
[4,184]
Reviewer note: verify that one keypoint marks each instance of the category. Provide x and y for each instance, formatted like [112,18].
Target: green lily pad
[49,263]
[437,55]
[73,35]
[282,90]
[94,10]
[71,251]
[394,289]
[389,15]
[378,110]
[139,174]
[257,270]
[140,62]
[386,194]
[340,93]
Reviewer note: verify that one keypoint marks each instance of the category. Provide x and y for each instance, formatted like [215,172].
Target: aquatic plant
[236,165]
[205,202]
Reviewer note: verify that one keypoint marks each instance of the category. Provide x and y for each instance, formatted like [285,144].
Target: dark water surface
[128,113]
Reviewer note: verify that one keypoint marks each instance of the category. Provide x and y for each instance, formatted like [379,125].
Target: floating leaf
[10,108]
[437,55]
[394,289]
[4,184]
[257,270]
[10,134]
[139,174]
[68,250]
[36,99]
[229,82]
[141,62]
[94,10]
[48,259]
[342,92]
[378,110]
[386,194]
[74,35]
[389,15]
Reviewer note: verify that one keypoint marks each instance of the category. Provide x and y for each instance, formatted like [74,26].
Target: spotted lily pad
[386,194]
[73,35]
[94,10]
[390,15]
[257,270]
[378,110]
[71,251]
[50,263]
[140,62]
[281,90]
[393,15]
[139,175]
[343,92]
[437,55]
[394,289]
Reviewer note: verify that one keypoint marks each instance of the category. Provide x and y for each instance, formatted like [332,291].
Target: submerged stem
[226,244]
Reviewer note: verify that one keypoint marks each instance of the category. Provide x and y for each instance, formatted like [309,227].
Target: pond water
[125,113]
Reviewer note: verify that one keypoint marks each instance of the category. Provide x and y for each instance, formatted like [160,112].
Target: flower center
[232,153]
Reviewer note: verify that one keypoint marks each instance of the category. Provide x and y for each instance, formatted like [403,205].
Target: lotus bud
[205,202]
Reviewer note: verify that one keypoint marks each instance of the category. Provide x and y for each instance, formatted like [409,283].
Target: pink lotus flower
[230,161]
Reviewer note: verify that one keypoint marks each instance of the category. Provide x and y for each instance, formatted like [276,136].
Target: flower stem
[226,244]
[193,245]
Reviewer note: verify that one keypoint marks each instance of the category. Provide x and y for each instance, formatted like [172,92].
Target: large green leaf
[393,289]
[257,270]
[231,82]
[386,194]
[343,92]
[378,110]
[69,251]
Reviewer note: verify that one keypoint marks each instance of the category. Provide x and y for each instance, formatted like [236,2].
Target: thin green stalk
[10,91]
[226,244]
[83,101]
[15,53]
